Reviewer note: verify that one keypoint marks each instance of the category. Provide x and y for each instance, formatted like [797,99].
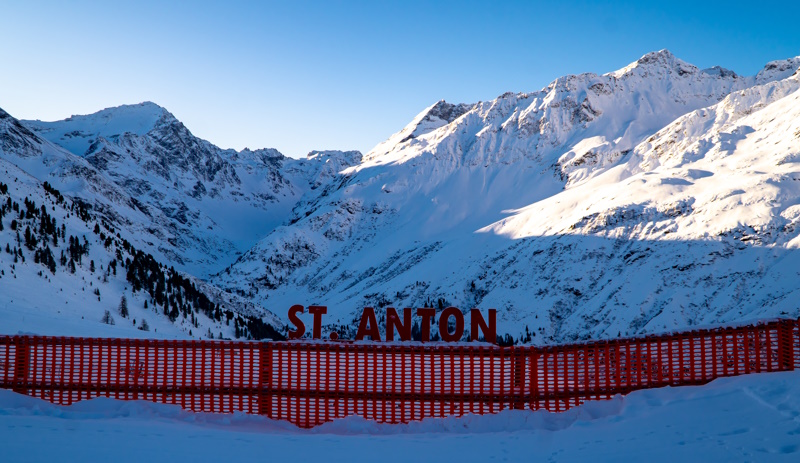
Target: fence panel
[310,383]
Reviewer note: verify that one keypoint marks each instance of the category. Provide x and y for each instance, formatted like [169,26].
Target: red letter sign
[295,320]
[444,322]
[368,317]
[476,320]
[317,311]
[427,315]
[393,321]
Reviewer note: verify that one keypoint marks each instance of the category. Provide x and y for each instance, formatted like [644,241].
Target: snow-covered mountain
[650,198]
[193,204]
[117,202]
[654,197]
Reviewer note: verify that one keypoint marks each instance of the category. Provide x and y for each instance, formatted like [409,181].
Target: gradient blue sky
[303,75]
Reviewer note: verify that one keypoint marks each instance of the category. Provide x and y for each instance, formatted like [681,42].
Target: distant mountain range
[652,198]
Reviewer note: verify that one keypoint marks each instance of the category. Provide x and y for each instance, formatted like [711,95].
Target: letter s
[295,320]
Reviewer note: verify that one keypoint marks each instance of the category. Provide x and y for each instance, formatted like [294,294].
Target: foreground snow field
[749,418]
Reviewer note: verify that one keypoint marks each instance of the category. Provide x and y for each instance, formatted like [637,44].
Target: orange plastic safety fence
[309,383]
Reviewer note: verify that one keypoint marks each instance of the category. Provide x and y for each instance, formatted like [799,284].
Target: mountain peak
[77,133]
[663,56]
[656,62]
[431,118]
[447,111]
[137,118]
[778,70]
[719,71]
[348,158]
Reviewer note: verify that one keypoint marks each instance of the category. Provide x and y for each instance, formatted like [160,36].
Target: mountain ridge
[186,186]
[404,227]
[548,205]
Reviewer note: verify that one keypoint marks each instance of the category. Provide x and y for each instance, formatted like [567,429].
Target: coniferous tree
[49,260]
[29,239]
[107,318]
[123,307]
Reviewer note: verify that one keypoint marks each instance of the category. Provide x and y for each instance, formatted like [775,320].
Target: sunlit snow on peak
[77,133]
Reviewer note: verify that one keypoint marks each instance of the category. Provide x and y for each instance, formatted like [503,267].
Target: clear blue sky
[297,75]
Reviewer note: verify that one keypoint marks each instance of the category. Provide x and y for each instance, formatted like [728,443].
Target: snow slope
[37,300]
[34,300]
[749,418]
[655,197]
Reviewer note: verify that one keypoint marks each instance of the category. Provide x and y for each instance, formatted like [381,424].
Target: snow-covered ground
[749,418]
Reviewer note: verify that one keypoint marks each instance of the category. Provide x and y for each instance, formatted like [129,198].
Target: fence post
[264,374]
[785,345]
[21,365]
[519,377]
